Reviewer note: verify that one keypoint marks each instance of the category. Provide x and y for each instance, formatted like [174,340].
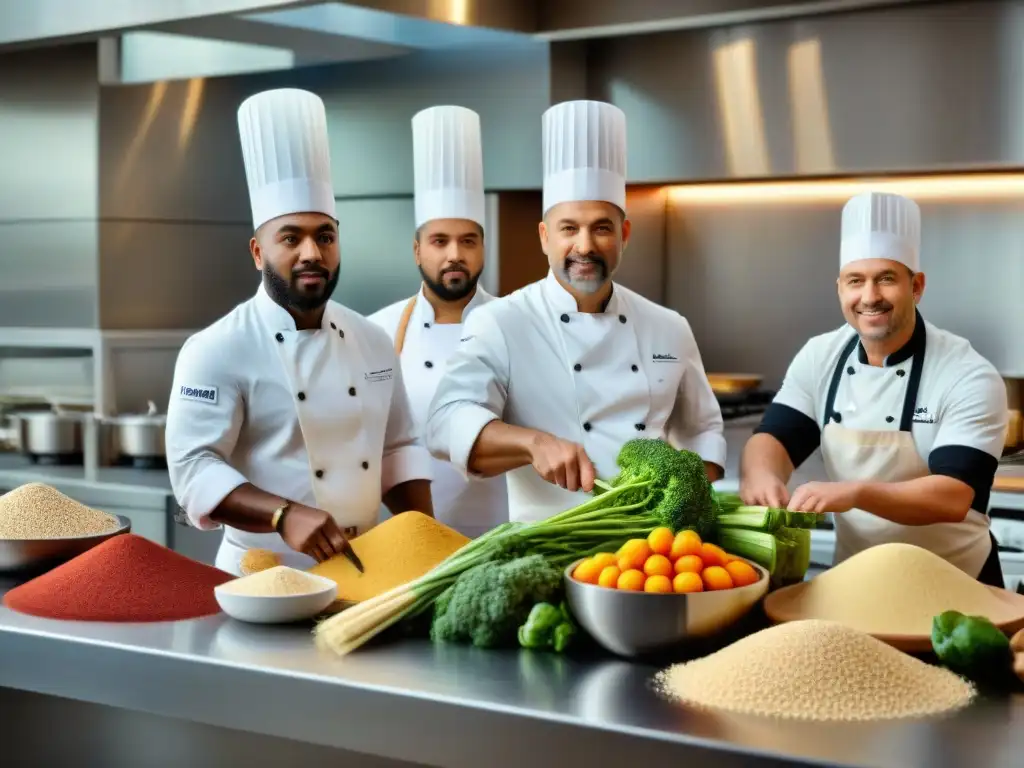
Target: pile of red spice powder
[126,578]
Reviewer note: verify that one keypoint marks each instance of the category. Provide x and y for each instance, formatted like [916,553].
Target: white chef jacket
[319,417]
[471,506]
[959,422]
[532,359]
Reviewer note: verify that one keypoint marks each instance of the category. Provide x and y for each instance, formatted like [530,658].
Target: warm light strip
[973,186]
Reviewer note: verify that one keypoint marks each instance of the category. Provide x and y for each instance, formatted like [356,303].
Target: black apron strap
[992,571]
[910,401]
[833,387]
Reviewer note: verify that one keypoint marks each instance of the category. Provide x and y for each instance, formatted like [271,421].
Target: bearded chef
[449,252]
[288,422]
[550,381]
[910,419]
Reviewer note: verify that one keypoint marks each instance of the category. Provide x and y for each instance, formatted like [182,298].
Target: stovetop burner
[142,462]
[56,459]
[739,404]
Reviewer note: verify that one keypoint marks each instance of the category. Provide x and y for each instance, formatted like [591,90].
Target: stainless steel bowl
[38,555]
[637,623]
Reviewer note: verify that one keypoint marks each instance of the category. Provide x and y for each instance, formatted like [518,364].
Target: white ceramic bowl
[277,609]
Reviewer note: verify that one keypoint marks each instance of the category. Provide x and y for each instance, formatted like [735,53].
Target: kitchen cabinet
[188,540]
[148,523]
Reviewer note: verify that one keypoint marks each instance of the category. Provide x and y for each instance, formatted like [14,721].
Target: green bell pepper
[547,627]
[970,645]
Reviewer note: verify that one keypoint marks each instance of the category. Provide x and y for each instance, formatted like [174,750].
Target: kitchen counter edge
[444,705]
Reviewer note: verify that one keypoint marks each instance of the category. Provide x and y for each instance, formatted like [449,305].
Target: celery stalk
[785,554]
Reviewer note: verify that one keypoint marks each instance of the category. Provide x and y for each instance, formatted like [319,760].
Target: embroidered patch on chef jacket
[204,394]
[664,358]
[922,416]
[384,374]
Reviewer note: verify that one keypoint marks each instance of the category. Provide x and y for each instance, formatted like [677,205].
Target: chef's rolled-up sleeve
[405,457]
[204,417]
[972,432]
[472,392]
[696,421]
[792,416]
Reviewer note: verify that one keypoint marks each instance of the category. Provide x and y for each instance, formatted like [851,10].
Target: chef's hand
[312,532]
[824,497]
[764,489]
[562,463]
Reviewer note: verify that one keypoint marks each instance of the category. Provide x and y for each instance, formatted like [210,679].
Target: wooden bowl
[784,605]
[732,383]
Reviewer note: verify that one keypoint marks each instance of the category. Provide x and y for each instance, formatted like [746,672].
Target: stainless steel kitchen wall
[48,199]
[757,277]
[920,87]
[174,202]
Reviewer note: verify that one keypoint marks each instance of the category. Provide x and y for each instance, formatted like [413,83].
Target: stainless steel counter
[450,706]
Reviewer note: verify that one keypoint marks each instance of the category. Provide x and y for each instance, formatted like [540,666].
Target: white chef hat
[881,225]
[584,153]
[286,153]
[448,165]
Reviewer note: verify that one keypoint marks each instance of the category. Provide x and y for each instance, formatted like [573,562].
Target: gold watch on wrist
[275,520]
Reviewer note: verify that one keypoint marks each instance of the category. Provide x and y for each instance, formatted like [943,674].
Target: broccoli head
[487,604]
[675,483]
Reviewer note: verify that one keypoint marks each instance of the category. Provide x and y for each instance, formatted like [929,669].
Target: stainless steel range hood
[55,21]
[581,19]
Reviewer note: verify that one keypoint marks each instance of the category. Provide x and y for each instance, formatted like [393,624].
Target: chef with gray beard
[549,382]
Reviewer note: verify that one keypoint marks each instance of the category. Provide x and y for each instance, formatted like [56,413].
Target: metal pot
[140,436]
[50,434]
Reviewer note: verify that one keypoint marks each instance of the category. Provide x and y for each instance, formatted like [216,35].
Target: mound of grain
[126,578]
[896,589]
[37,511]
[400,549]
[279,581]
[815,670]
[256,560]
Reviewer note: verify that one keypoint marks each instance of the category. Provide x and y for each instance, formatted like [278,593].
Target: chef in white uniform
[910,419]
[550,381]
[426,328]
[288,420]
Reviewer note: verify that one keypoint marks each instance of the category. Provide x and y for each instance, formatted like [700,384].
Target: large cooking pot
[54,434]
[139,436]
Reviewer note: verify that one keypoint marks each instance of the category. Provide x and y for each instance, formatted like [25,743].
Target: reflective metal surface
[633,624]
[586,19]
[452,705]
[843,94]
[782,257]
[56,20]
[49,116]
[33,556]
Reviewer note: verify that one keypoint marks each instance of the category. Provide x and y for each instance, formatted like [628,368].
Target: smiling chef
[910,419]
[288,422]
[550,381]
[449,251]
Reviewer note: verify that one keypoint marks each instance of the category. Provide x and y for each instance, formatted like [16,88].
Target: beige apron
[892,456]
[403,326]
